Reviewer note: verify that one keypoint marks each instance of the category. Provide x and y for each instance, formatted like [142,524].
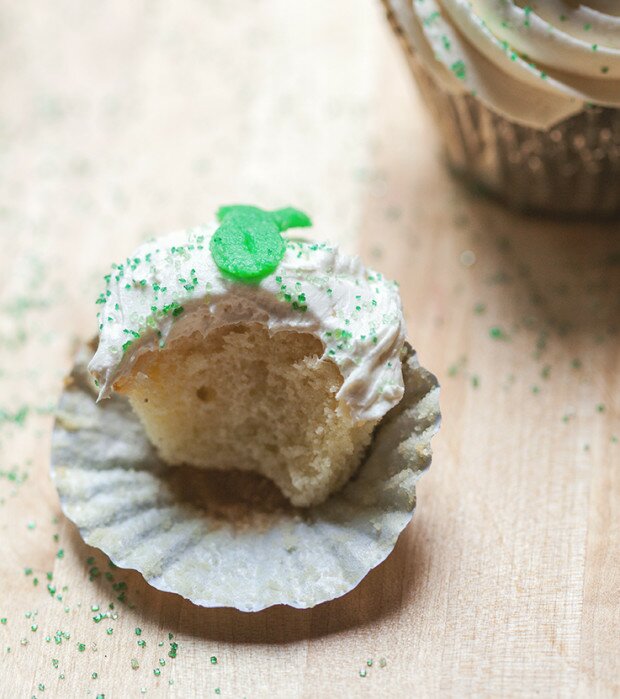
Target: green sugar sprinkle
[496,333]
[17,418]
[459,69]
[248,245]
[138,631]
[213,660]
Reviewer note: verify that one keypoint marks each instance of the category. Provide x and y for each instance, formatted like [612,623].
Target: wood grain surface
[120,120]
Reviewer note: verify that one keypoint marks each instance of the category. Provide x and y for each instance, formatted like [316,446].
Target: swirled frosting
[535,63]
[171,287]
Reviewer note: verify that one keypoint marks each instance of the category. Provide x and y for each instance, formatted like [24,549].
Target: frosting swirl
[535,63]
[171,287]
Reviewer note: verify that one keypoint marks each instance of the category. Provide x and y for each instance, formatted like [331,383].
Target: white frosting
[535,63]
[171,287]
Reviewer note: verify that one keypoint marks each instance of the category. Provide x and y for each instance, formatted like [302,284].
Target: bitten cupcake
[252,426]
[239,349]
[527,96]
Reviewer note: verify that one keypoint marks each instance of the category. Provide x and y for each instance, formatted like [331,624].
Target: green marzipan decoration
[248,245]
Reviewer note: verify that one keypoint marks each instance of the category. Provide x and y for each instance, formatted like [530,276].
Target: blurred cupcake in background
[526,95]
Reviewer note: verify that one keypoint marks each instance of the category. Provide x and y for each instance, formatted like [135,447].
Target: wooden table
[120,120]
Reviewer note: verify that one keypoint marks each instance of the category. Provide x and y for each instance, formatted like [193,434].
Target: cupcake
[240,350]
[252,425]
[526,96]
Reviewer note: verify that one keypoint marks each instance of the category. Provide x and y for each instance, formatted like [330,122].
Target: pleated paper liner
[230,539]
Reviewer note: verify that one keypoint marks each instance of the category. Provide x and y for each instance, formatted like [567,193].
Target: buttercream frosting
[171,287]
[535,63]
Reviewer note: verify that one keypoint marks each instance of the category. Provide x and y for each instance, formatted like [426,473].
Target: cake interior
[240,398]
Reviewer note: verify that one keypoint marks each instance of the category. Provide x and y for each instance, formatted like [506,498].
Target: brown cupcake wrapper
[572,168]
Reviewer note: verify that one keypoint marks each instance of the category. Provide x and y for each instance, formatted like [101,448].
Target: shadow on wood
[560,277]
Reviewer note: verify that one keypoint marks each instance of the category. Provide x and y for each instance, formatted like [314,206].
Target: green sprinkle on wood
[496,333]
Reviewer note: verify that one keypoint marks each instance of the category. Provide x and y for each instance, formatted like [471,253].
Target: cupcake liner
[571,168]
[224,539]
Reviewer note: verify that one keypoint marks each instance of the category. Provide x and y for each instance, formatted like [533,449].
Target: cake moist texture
[238,398]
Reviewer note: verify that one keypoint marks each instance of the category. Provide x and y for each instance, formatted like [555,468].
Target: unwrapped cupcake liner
[571,168]
[230,539]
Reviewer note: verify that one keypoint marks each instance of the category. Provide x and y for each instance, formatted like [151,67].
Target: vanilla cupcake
[240,349]
[527,96]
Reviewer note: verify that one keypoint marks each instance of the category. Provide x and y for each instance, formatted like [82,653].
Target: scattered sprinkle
[496,333]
